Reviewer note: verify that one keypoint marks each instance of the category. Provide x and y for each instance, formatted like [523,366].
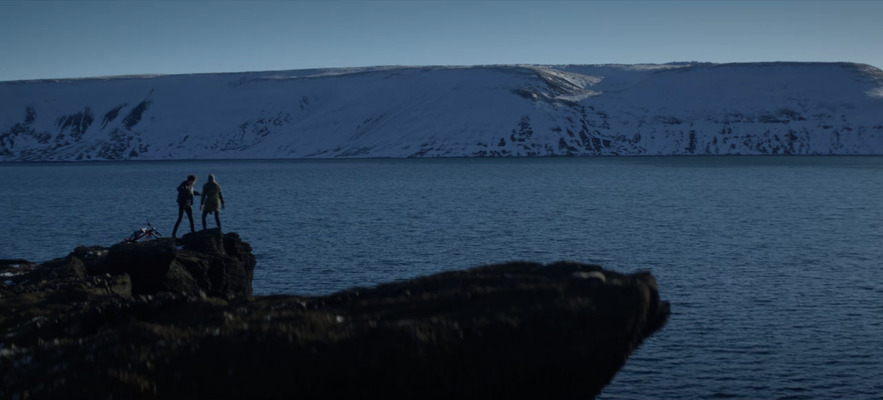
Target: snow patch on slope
[490,111]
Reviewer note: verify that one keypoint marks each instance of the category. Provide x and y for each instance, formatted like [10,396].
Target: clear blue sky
[41,39]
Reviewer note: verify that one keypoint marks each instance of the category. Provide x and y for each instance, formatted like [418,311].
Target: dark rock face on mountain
[158,321]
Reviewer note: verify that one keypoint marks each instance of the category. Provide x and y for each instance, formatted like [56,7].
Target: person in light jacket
[212,200]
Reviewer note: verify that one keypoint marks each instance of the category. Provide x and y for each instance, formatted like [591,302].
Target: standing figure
[212,200]
[185,202]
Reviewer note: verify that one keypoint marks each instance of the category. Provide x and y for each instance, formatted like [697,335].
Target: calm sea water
[772,265]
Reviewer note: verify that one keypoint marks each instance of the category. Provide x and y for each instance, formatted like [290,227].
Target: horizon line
[392,66]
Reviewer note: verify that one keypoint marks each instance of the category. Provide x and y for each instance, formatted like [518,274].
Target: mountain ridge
[470,111]
[385,67]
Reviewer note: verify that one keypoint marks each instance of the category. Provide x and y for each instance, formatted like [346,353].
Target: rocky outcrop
[218,264]
[85,327]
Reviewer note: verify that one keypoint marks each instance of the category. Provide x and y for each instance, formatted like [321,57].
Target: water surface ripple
[771,264]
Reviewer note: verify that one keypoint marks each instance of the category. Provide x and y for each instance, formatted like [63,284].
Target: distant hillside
[506,110]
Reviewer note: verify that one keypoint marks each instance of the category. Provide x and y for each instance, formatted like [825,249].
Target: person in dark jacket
[185,202]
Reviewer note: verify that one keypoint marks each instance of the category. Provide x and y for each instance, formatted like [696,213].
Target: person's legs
[204,213]
[180,215]
[218,219]
[189,210]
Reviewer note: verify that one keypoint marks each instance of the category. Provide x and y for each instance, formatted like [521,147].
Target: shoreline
[682,156]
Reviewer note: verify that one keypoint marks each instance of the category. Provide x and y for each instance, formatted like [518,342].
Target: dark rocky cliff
[167,320]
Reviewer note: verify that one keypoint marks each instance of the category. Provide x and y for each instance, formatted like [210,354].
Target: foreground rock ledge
[102,323]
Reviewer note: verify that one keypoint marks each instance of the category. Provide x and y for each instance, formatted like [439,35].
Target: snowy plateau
[480,111]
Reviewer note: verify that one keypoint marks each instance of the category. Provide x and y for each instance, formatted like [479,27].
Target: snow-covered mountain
[511,110]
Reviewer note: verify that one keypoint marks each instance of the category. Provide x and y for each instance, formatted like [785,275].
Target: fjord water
[771,264]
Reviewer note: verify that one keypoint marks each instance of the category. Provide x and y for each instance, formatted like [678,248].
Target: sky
[47,40]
